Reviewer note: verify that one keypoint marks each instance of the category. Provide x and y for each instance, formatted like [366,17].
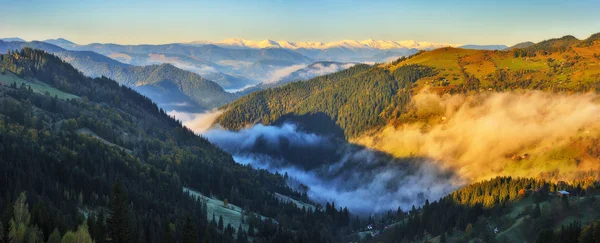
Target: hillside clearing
[9,78]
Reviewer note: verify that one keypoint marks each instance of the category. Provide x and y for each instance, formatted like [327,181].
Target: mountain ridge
[199,93]
[353,44]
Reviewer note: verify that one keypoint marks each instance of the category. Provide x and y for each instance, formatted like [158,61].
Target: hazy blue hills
[169,86]
[11,39]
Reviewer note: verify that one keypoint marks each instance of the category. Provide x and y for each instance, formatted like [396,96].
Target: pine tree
[241,236]
[207,235]
[167,234]
[69,237]
[189,232]
[82,234]
[220,225]
[118,222]
[251,230]
[91,223]
[54,237]
[443,238]
[536,211]
[19,223]
[100,231]
[1,232]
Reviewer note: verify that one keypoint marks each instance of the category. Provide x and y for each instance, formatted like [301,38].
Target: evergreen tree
[167,234]
[207,235]
[189,232]
[100,231]
[19,223]
[241,236]
[118,223]
[536,211]
[54,237]
[82,234]
[91,224]
[443,238]
[69,237]
[220,225]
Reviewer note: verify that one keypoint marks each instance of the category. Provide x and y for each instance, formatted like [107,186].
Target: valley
[296,121]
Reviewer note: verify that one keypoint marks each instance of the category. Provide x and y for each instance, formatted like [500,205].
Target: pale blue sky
[150,21]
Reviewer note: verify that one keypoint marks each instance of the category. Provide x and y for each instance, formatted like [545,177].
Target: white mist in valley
[454,140]
[361,179]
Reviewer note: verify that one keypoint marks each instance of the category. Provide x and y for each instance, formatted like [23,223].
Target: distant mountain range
[170,87]
[352,44]
[12,39]
[231,68]
[237,63]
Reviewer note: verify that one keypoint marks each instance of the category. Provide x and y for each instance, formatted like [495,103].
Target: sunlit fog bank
[486,135]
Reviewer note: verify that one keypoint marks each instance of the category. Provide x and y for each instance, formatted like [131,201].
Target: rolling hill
[171,87]
[521,45]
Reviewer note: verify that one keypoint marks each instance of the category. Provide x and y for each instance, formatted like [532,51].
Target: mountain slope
[554,65]
[353,98]
[67,154]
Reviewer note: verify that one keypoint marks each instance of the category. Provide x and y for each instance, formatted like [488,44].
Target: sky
[154,22]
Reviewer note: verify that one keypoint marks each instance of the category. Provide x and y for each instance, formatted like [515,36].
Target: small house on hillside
[562,193]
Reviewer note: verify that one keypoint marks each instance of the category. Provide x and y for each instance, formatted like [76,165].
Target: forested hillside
[354,98]
[503,209]
[87,151]
[361,99]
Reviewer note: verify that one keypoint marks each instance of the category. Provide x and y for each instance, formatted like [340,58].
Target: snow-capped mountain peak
[351,44]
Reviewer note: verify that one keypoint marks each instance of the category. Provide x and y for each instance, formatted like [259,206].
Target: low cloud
[278,74]
[304,72]
[240,89]
[319,69]
[197,122]
[361,179]
[175,61]
[486,135]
